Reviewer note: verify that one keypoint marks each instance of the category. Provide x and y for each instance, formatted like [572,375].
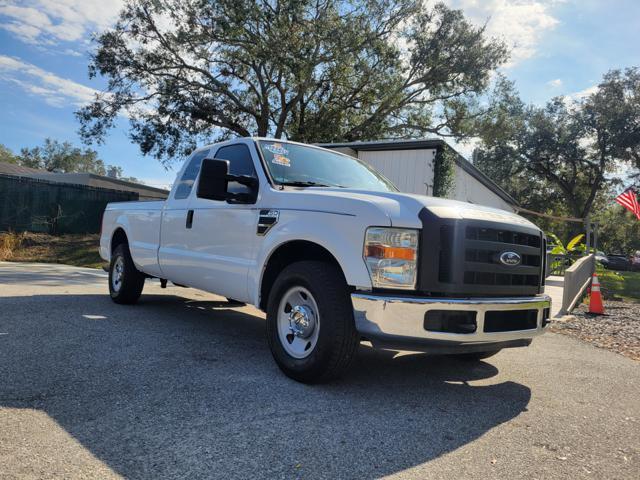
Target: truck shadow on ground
[180,388]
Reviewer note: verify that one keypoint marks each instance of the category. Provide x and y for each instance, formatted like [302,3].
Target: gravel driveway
[181,386]
[617,330]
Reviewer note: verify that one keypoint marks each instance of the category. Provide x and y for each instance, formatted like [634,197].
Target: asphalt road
[180,386]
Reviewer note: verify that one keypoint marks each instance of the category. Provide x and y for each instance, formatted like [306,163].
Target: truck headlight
[391,255]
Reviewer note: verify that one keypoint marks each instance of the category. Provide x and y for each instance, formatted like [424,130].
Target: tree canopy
[6,155]
[307,70]
[62,157]
[564,154]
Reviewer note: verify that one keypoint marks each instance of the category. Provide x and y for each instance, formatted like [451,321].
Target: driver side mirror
[213,181]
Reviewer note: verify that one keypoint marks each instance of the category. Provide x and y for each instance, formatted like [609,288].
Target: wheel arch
[287,253]
[118,237]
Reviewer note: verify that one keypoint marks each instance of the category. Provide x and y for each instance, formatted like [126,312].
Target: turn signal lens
[383,251]
[391,255]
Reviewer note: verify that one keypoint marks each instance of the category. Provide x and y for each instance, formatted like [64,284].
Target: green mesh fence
[32,205]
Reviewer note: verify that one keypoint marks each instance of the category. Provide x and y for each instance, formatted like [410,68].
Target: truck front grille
[462,258]
[496,235]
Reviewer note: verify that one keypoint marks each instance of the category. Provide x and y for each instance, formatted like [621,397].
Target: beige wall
[412,172]
[409,170]
[468,189]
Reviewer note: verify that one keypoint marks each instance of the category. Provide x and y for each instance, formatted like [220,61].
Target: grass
[9,242]
[78,250]
[624,285]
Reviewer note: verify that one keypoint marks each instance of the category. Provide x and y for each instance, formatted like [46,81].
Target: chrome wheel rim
[118,274]
[298,322]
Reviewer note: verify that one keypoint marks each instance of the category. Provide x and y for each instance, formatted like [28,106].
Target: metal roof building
[144,192]
[409,164]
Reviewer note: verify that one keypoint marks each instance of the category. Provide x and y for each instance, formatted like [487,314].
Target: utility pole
[587,224]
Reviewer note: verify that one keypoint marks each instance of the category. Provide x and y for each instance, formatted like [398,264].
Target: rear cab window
[188,178]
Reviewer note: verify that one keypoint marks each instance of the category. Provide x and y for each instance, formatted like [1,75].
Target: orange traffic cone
[595,300]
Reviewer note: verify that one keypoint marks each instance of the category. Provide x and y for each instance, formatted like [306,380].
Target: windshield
[300,165]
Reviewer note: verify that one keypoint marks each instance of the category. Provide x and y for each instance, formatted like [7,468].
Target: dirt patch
[618,330]
[78,250]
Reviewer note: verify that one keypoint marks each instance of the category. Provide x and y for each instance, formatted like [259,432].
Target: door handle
[189,219]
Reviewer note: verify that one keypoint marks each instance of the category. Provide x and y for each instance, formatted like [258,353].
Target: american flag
[629,201]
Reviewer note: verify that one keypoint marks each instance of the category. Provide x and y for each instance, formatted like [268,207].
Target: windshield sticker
[281,160]
[277,149]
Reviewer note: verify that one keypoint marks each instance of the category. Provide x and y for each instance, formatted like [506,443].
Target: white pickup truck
[334,255]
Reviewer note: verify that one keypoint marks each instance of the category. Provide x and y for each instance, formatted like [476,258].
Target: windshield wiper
[305,184]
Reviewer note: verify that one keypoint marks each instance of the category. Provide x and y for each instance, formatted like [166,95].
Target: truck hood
[402,209]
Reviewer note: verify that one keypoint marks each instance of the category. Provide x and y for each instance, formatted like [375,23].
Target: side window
[240,163]
[189,176]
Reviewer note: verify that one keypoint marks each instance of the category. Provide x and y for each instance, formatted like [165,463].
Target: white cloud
[49,22]
[585,93]
[572,100]
[520,23]
[556,83]
[55,90]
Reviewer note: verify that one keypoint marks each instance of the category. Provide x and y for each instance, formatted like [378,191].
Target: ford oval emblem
[510,258]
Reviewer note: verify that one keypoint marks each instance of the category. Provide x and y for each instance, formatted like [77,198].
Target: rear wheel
[125,281]
[310,325]
[476,356]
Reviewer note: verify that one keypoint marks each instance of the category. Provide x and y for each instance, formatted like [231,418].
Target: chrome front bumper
[399,322]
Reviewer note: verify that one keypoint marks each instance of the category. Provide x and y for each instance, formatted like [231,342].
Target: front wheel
[125,281]
[310,325]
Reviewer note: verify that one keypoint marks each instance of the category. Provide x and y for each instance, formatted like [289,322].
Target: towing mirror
[213,179]
[214,183]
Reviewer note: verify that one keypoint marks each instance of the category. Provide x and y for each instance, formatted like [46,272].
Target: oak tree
[184,71]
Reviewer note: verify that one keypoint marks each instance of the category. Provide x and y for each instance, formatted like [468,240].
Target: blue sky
[559,47]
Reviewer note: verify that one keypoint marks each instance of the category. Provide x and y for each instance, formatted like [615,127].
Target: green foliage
[63,157]
[55,156]
[560,157]
[576,243]
[6,155]
[625,285]
[443,172]
[618,229]
[558,246]
[307,70]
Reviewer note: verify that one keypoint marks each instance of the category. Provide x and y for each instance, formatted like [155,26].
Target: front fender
[340,234]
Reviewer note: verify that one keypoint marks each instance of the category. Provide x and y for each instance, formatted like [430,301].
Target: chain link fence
[33,205]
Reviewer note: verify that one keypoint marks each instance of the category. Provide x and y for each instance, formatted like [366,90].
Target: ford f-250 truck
[333,254]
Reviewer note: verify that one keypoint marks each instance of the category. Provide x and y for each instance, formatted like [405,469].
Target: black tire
[131,282]
[476,356]
[337,338]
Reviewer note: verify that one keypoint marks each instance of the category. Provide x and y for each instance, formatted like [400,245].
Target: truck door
[223,235]
[174,254]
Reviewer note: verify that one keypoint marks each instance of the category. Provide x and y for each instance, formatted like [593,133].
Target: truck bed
[139,205]
[142,220]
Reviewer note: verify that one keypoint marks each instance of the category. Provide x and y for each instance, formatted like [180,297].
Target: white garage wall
[410,170]
[468,189]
